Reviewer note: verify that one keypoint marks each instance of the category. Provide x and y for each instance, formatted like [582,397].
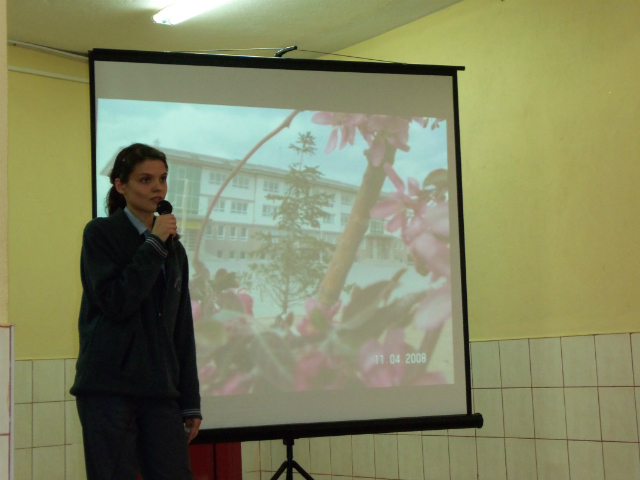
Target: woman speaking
[136,381]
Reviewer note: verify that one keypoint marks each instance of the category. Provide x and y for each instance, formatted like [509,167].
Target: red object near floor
[218,461]
[228,461]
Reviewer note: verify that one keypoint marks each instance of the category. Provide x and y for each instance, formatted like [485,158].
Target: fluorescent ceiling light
[184,10]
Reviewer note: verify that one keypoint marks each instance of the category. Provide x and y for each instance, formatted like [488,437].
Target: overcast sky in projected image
[230,132]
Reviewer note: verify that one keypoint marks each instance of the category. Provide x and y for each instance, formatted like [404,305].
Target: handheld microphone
[164,208]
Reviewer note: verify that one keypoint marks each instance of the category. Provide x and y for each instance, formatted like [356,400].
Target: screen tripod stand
[289,464]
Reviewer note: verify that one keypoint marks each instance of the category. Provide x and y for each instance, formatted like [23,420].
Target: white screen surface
[318,294]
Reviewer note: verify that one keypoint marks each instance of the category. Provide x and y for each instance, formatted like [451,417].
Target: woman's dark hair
[125,163]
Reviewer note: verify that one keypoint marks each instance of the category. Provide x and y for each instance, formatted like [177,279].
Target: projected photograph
[318,241]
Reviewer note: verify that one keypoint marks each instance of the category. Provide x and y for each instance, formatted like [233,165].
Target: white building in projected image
[243,210]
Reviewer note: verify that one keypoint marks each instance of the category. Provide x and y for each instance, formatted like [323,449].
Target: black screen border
[323,429]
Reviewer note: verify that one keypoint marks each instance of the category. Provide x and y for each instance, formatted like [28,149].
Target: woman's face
[147,185]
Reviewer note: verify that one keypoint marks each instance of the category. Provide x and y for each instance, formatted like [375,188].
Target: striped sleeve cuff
[157,244]
[192,413]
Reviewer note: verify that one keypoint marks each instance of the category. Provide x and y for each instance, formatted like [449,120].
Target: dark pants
[124,435]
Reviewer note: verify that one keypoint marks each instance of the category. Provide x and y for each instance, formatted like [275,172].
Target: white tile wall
[617,409]
[552,460]
[410,463]
[278,454]
[515,367]
[546,362]
[7,378]
[320,453]
[250,457]
[585,460]
[48,424]
[341,456]
[48,440]
[23,417]
[492,463]
[613,360]
[5,455]
[554,408]
[69,377]
[518,412]
[23,392]
[301,453]
[549,415]
[386,455]
[489,403]
[463,458]
[637,393]
[635,351]
[486,360]
[559,408]
[22,464]
[583,413]
[435,452]
[521,458]
[74,462]
[48,381]
[49,463]
[265,456]
[579,361]
[621,461]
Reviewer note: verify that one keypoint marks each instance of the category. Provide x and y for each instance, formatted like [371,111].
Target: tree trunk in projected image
[355,229]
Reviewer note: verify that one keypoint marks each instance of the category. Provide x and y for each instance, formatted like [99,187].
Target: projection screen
[319,203]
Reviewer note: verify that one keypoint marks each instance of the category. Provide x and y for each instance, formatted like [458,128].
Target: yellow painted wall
[49,202]
[550,128]
[4,198]
[550,117]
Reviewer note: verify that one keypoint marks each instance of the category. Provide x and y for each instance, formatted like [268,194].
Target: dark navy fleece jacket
[134,341]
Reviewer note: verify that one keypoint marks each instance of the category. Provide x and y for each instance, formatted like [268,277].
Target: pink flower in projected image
[246,300]
[238,384]
[343,123]
[430,378]
[422,121]
[237,300]
[377,131]
[382,129]
[316,312]
[397,205]
[419,235]
[207,371]
[377,361]
[317,371]
[423,225]
[196,311]
[434,309]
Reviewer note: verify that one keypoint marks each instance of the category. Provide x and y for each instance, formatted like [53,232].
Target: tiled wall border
[556,408]
[48,439]
[560,408]
[6,401]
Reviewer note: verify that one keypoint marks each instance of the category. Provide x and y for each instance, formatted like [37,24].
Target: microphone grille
[164,207]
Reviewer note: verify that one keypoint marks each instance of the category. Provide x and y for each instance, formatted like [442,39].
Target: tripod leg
[289,471]
[289,443]
[280,470]
[289,464]
[301,470]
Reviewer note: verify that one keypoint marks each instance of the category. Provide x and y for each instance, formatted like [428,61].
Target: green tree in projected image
[294,261]
[361,335]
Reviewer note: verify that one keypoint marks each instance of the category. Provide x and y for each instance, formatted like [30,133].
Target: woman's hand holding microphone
[165,226]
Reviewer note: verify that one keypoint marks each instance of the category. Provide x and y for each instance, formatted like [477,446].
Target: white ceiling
[319,25]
